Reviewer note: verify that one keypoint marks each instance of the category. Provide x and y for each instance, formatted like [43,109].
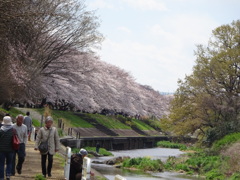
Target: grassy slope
[73,120]
[14,112]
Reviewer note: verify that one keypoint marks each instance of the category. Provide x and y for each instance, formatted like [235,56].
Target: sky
[155,40]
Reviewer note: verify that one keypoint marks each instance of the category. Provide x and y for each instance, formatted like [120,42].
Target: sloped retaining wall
[114,143]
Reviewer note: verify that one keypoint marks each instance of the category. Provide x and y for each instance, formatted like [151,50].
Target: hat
[83,152]
[49,118]
[7,120]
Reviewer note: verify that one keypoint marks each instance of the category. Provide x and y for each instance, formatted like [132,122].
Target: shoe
[19,171]
[44,175]
[8,178]
[49,175]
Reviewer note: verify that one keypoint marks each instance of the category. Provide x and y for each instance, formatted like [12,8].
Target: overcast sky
[154,40]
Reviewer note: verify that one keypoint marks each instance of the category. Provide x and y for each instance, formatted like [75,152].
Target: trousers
[48,169]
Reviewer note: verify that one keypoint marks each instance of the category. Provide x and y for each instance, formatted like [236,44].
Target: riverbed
[154,153]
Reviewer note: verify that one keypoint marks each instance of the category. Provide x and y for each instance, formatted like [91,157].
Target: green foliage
[102,151]
[226,141]
[40,177]
[207,101]
[141,125]
[110,122]
[170,163]
[36,123]
[60,132]
[144,163]
[168,144]
[183,167]
[68,117]
[213,167]
[235,176]
[12,111]
[215,174]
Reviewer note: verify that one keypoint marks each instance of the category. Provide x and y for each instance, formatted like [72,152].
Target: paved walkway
[33,114]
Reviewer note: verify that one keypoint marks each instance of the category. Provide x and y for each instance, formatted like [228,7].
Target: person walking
[6,149]
[50,134]
[97,147]
[28,122]
[22,133]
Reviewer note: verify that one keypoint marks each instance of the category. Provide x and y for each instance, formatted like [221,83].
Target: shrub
[214,174]
[144,163]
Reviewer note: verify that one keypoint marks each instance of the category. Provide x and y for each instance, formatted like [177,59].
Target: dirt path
[32,165]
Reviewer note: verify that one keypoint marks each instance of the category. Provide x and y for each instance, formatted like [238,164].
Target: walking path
[32,165]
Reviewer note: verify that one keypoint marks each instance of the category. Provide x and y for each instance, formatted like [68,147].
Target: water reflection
[154,153]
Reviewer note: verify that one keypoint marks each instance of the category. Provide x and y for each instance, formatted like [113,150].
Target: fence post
[118,177]
[32,136]
[86,171]
[67,163]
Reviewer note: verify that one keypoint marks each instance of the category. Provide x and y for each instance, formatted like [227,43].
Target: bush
[144,163]
[214,174]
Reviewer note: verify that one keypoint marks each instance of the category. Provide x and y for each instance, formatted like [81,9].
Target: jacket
[6,140]
[53,141]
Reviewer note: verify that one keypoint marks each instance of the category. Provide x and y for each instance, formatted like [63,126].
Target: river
[155,153]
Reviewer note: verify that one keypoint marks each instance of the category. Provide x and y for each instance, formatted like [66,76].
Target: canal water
[154,153]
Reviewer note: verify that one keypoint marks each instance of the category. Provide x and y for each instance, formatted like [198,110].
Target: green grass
[102,151]
[141,125]
[144,163]
[110,122]
[168,144]
[13,112]
[39,177]
[69,117]
[226,141]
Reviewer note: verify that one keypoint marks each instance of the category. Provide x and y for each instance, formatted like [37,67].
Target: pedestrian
[6,149]
[28,122]
[76,165]
[22,133]
[50,134]
[97,147]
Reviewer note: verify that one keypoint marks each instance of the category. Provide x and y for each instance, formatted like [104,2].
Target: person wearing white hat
[6,149]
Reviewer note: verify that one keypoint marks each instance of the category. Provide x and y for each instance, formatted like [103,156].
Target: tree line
[207,102]
[47,52]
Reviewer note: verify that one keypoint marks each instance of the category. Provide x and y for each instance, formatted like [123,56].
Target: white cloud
[124,29]
[151,65]
[146,4]
[168,55]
